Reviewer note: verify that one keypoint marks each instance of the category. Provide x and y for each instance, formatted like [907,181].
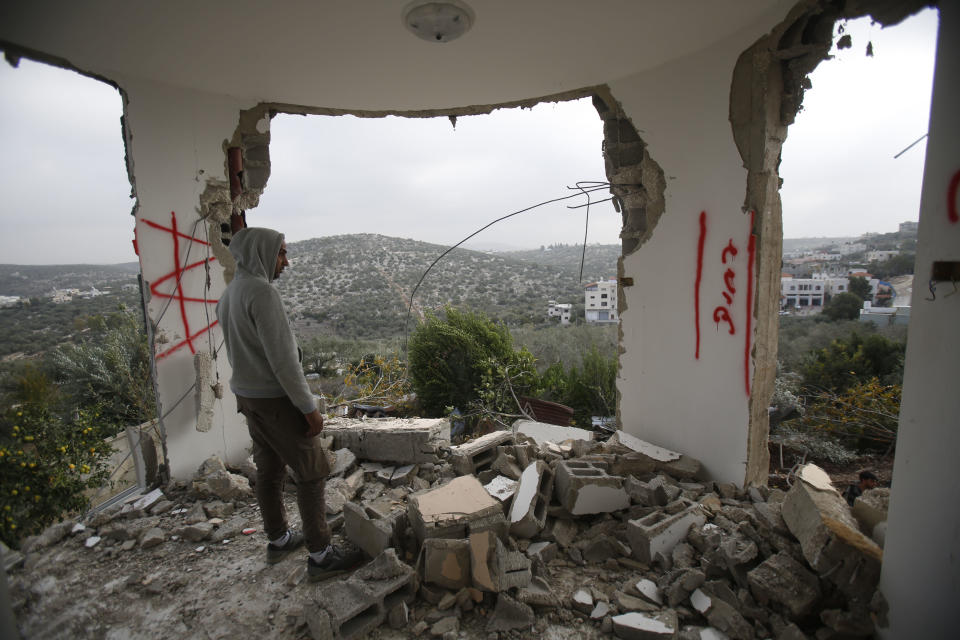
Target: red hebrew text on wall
[177,293]
[726,271]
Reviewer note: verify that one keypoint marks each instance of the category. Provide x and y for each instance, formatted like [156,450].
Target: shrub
[843,306]
[450,356]
[46,463]
[379,380]
[857,359]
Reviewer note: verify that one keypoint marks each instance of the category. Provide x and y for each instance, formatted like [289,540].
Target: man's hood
[256,249]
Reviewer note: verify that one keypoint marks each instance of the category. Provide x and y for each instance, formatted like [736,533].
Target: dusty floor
[217,590]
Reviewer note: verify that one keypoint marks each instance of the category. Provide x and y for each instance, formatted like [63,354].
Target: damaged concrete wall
[176,147]
[688,320]
[920,573]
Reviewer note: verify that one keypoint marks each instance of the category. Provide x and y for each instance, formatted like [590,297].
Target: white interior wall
[667,395]
[921,563]
[176,144]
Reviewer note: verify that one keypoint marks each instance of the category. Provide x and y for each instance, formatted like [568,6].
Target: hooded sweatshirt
[260,345]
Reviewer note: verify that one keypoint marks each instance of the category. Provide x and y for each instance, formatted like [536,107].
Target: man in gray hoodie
[273,395]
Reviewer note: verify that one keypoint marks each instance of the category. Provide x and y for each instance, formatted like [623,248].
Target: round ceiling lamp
[438,21]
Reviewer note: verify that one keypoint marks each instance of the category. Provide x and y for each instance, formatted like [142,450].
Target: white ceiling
[356,54]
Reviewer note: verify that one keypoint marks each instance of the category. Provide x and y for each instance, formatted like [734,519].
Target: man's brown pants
[277,429]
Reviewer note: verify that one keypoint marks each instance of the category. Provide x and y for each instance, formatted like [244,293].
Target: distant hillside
[39,280]
[359,286]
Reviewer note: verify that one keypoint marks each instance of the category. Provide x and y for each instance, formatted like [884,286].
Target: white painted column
[921,563]
[176,142]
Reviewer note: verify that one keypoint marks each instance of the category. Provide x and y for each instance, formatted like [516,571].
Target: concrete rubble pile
[518,530]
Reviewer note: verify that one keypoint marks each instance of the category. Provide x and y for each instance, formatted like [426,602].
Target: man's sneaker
[336,561]
[277,553]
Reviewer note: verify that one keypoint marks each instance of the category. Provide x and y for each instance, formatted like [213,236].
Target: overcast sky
[66,195]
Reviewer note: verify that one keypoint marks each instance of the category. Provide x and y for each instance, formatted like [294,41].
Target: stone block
[542,432]
[657,534]
[494,567]
[477,455]
[870,509]
[343,463]
[645,626]
[528,511]
[400,441]
[829,537]
[782,579]
[454,510]
[446,563]
[358,605]
[584,487]
[371,530]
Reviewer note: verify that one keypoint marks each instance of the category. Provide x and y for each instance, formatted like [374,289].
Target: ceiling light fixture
[438,21]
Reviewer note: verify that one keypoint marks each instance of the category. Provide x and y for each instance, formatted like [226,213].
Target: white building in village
[562,310]
[600,301]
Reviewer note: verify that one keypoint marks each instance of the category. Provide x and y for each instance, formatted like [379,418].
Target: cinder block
[371,530]
[584,487]
[658,533]
[360,604]
[477,455]
[494,567]
[446,563]
[829,536]
[455,510]
[528,511]
[401,441]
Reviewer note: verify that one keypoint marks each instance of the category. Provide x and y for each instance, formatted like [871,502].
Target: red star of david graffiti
[177,294]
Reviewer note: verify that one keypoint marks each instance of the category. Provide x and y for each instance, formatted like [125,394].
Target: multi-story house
[600,301]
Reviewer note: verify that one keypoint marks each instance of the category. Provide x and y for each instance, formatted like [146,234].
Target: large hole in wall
[358,197]
[72,332]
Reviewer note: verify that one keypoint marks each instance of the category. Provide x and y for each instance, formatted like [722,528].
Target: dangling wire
[581,190]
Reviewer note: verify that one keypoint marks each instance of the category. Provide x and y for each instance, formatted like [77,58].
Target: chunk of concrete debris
[829,537]
[477,455]
[584,487]
[542,432]
[446,563]
[655,535]
[148,500]
[721,614]
[583,601]
[344,462]
[153,537]
[782,579]
[401,441]
[649,590]
[494,567]
[508,614]
[538,594]
[454,510]
[372,530]
[223,485]
[645,457]
[528,511]
[502,488]
[542,551]
[870,509]
[506,464]
[560,530]
[645,626]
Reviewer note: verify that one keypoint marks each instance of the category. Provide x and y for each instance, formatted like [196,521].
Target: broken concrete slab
[494,567]
[654,536]
[502,488]
[344,462]
[645,457]
[721,614]
[446,563]
[582,601]
[782,579]
[528,511]
[584,487]
[870,508]
[538,594]
[829,537]
[477,455]
[561,530]
[454,510]
[645,626]
[542,432]
[401,441]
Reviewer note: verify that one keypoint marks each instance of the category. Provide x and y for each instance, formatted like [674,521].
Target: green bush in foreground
[46,464]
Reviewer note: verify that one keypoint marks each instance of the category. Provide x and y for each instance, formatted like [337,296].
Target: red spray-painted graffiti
[177,293]
[952,214]
[723,313]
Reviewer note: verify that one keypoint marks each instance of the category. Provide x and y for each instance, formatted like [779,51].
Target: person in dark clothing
[867,481]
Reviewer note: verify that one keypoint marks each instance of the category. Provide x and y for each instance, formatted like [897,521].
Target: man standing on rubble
[273,395]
